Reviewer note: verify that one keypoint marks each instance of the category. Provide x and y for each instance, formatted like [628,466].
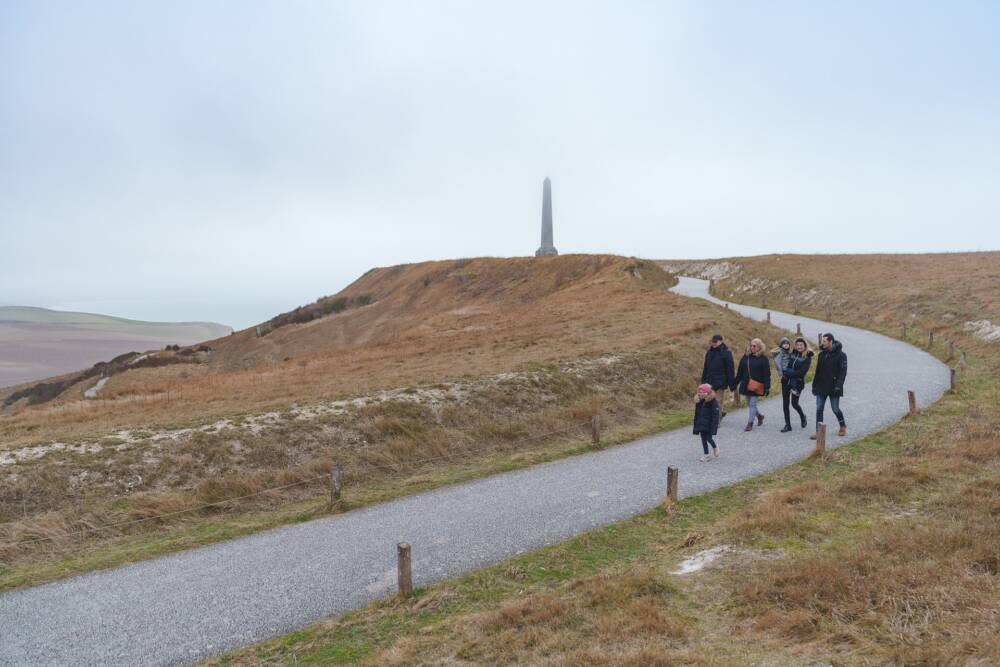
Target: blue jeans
[752,403]
[834,405]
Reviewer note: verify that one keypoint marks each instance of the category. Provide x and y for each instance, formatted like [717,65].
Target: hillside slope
[423,323]
[37,343]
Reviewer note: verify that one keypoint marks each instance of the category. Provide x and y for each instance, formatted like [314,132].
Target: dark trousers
[786,394]
[706,440]
[834,405]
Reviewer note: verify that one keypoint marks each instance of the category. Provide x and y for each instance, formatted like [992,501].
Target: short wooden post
[913,401]
[904,329]
[769,316]
[404,569]
[595,429]
[930,339]
[798,328]
[952,379]
[820,439]
[671,485]
[336,479]
[711,285]
[727,305]
[961,360]
[951,349]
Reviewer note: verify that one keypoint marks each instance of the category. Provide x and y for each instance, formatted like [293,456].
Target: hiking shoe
[748,427]
[715,452]
[804,424]
[760,419]
[706,458]
[813,436]
[786,429]
[842,431]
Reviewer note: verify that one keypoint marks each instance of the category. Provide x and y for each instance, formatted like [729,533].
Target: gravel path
[180,608]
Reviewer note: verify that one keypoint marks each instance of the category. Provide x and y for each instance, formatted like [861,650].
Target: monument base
[545,252]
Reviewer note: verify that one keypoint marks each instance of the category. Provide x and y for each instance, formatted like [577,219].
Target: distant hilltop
[38,343]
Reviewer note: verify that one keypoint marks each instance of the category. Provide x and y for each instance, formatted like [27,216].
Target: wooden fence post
[820,440]
[961,360]
[798,328]
[336,478]
[769,317]
[727,305]
[671,485]
[952,379]
[404,569]
[930,339]
[912,398]
[904,329]
[951,349]
[595,429]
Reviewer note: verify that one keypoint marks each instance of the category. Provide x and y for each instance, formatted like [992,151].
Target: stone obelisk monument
[546,248]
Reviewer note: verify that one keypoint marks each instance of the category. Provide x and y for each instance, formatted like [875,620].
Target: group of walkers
[752,378]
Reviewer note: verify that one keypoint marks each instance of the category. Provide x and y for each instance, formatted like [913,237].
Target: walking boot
[788,427]
[842,431]
[804,421]
[748,427]
[760,419]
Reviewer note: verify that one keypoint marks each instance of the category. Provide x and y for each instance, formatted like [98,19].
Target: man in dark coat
[718,370]
[831,371]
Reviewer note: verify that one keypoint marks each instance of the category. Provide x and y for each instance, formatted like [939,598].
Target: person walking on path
[780,355]
[831,371]
[754,379]
[793,380]
[718,370]
[706,420]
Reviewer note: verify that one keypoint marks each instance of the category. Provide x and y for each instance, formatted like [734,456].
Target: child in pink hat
[706,420]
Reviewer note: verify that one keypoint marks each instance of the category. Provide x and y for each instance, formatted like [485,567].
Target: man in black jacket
[831,370]
[718,370]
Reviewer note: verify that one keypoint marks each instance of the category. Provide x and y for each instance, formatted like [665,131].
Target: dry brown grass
[473,317]
[513,308]
[884,553]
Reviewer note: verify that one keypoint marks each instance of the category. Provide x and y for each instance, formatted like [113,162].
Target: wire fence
[397,468]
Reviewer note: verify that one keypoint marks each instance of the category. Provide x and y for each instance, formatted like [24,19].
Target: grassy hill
[887,552]
[413,376]
[37,343]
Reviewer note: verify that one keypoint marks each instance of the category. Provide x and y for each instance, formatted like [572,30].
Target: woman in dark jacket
[706,419]
[754,366]
[793,381]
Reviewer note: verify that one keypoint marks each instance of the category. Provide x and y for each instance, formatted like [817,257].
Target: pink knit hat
[704,389]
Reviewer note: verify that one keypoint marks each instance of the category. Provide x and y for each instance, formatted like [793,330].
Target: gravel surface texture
[177,609]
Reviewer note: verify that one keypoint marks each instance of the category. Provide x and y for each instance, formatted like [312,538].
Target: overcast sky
[228,160]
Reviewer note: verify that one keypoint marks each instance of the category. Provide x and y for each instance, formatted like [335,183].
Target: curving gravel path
[180,608]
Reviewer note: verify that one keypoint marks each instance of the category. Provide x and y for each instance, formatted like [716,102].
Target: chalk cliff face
[37,343]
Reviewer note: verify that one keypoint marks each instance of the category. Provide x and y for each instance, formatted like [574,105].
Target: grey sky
[228,160]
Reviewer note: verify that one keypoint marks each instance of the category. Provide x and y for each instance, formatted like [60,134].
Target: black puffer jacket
[756,368]
[796,369]
[718,368]
[831,371]
[706,417]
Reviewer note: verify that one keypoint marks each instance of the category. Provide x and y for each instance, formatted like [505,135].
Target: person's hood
[784,340]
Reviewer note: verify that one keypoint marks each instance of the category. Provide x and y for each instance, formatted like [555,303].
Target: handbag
[753,386]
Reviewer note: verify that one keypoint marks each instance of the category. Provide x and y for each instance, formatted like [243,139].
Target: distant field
[36,343]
